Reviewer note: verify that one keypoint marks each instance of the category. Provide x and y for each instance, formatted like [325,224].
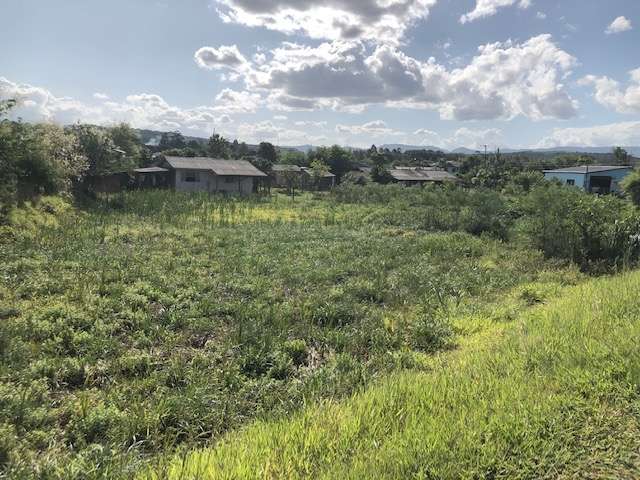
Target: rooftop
[422,175]
[286,168]
[237,168]
[589,169]
[151,170]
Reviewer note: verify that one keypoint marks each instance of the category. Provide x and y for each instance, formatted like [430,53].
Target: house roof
[151,170]
[421,175]
[286,168]
[583,169]
[310,172]
[236,168]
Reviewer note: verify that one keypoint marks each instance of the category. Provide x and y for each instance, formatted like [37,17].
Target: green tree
[170,140]
[99,148]
[219,147]
[622,156]
[318,171]
[268,152]
[379,171]
[631,186]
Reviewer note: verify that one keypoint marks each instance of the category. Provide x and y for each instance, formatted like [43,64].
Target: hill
[552,395]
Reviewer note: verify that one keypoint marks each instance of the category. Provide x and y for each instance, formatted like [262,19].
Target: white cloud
[280,118]
[268,132]
[487,8]
[619,25]
[375,127]
[610,94]
[376,20]
[503,81]
[36,104]
[541,16]
[463,137]
[233,101]
[100,96]
[626,134]
[221,57]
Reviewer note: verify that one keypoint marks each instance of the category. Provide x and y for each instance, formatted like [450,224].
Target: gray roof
[286,168]
[237,168]
[151,170]
[310,172]
[421,175]
[589,169]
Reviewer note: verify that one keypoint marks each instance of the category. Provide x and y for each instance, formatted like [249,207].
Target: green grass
[554,394]
[158,321]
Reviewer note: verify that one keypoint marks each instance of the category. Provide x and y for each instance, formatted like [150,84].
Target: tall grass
[152,321]
[553,395]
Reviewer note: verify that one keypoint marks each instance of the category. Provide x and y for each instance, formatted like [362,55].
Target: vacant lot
[154,320]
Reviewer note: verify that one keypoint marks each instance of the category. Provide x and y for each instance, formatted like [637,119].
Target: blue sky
[448,73]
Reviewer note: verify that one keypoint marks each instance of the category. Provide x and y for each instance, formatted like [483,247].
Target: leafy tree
[379,171]
[219,147]
[339,160]
[622,156]
[98,146]
[268,152]
[318,171]
[631,186]
[171,140]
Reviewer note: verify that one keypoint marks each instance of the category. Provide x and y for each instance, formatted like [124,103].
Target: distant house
[202,174]
[326,182]
[453,167]
[282,175]
[421,176]
[152,177]
[600,179]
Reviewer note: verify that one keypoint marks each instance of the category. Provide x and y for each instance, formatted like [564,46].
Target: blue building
[592,178]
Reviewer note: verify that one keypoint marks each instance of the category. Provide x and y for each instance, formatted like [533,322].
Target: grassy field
[155,321]
[554,394]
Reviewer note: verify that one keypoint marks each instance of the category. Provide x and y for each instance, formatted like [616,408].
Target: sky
[444,73]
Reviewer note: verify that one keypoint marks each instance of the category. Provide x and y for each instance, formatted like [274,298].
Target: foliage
[113,351]
[171,140]
[552,395]
[219,147]
[338,159]
[267,153]
[631,186]
[318,170]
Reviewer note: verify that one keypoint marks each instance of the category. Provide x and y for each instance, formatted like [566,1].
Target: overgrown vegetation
[155,320]
[552,395]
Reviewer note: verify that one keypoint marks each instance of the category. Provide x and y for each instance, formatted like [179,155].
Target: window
[571,182]
[229,179]
[189,176]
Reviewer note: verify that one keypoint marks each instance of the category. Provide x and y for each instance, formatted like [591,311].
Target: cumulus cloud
[503,81]
[375,127]
[268,132]
[487,8]
[233,101]
[221,57]
[619,25]
[625,133]
[376,20]
[611,94]
[474,139]
[37,104]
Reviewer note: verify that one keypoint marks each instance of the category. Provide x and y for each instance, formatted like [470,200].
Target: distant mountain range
[635,151]
[152,137]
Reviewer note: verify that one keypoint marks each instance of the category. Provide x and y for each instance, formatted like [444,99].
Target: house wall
[209,182]
[616,176]
[579,178]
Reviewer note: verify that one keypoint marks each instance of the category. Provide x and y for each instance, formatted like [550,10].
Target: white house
[203,174]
